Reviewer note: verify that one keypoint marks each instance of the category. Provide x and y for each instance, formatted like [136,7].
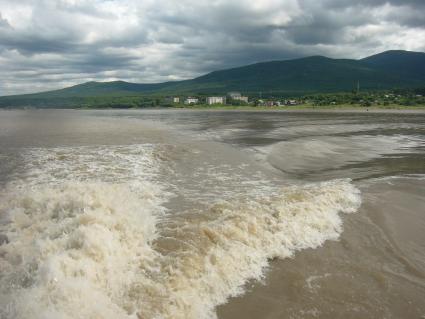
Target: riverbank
[310,108]
[297,108]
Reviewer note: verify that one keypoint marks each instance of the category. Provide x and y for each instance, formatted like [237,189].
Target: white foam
[74,249]
[239,239]
[84,248]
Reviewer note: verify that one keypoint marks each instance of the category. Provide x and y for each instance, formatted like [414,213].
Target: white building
[243,99]
[238,96]
[234,95]
[176,99]
[191,100]
[216,100]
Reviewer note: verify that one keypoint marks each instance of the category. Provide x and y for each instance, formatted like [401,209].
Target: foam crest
[100,246]
[106,163]
[96,251]
[73,250]
[216,253]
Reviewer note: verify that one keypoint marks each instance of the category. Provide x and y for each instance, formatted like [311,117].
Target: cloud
[47,44]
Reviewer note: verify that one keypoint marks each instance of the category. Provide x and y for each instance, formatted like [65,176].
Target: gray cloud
[3,23]
[372,3]
[47,44]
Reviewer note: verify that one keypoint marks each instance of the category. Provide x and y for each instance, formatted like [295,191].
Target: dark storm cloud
[405,12]
[48,44]
[408,17]
[372,3]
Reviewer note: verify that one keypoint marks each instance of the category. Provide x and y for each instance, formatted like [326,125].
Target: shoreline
[323,109]
[308,108]
[292,109]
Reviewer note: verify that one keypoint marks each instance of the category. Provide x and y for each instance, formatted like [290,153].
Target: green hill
[387,70]
[404,64]
[102,88]
[312,74]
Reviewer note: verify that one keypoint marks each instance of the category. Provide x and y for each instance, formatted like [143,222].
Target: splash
[107,248]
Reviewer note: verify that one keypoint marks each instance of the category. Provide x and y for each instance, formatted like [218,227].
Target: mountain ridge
[313,74]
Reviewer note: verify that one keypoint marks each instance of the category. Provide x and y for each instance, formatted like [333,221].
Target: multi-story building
[216,100]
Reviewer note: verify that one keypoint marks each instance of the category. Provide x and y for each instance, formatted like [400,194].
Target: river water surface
[208,214]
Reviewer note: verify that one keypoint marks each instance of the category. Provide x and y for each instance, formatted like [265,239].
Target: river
[212,214]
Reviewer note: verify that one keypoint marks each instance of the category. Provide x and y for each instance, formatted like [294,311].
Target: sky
[50,44]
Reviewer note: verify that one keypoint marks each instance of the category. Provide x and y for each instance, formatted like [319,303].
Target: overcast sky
[49,44]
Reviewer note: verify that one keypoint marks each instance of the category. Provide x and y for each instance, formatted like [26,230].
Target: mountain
[404,64]
[103,88]
[387,70]
[312,74]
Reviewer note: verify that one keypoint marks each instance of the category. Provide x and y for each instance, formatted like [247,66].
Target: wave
[85,233]
[97,251]
[233,242]
[329,152]
[73,250]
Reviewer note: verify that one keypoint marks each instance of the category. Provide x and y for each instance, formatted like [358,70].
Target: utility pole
[358,86]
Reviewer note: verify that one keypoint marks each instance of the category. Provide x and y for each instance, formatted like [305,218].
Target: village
[231,98]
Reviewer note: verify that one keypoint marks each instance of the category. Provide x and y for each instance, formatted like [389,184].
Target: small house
[191,100]
[238,96]
[291,102]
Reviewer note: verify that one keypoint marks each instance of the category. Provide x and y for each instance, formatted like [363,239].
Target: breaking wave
[109,249]
[74,250]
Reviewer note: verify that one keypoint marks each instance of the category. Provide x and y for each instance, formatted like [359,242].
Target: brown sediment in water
[221,213]
[375,270]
